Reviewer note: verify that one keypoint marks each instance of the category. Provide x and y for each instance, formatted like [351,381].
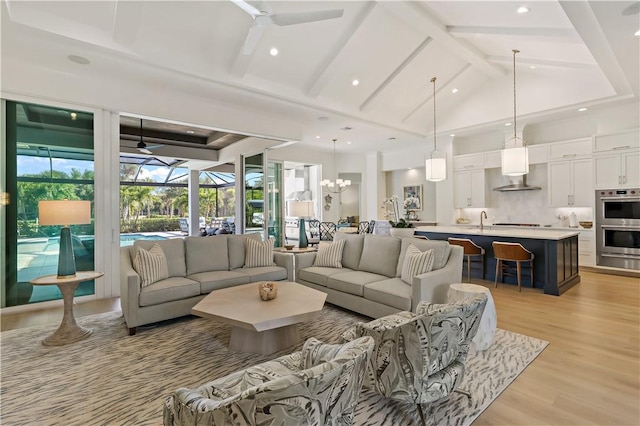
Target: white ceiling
[584,54]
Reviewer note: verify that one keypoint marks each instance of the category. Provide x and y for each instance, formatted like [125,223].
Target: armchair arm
[432,286]
[129,288]
[286,261]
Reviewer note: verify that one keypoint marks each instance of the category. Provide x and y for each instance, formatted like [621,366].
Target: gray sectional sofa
[369,281]
[197,265]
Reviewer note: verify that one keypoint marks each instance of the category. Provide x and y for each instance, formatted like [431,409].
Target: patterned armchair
[318,385]
[419,358]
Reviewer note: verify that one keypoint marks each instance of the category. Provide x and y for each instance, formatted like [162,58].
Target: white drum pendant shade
[435,167]
[515,161]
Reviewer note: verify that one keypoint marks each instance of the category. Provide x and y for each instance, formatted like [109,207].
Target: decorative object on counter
[463,221]
[336,186]
[515,154]
[301,210]
[65,213]
[573,220]
[586,224]
[391,203]
[435,166]
[267,290]
[412,196]
[289,246]
[401,228]
[412,215]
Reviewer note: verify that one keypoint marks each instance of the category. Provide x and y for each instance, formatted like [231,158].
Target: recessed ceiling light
[507,124]
[452,134]
[637,33]
[318,137]
[533,67]
[582,109]
[523,9]
[190,132]
[78,59]
[454,90]
[273,51]
[355,82]
[348,142]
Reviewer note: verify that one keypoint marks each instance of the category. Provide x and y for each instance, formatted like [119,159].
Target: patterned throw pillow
[258,253]
[416,262]
[151,265]
[330,254]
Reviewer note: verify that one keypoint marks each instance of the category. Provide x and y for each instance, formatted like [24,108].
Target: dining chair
[313,227]
[327,231]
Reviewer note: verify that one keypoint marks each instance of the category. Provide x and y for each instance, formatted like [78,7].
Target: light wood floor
[588,375]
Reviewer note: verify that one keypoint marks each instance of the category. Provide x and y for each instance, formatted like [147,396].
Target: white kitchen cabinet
[629,139]
[617,170]
[567,150]
[586,248]
[468,161]
[469,189]
[570,183]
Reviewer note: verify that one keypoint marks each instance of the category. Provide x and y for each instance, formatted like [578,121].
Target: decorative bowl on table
[289,246]
[267,290]
[586,225]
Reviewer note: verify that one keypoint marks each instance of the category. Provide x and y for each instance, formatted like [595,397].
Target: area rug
[112,378]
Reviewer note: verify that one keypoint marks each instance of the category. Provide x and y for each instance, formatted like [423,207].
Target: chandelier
[515,154]
[339,185]
[435,166]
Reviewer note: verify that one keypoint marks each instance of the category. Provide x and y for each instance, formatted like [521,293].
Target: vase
[401,232]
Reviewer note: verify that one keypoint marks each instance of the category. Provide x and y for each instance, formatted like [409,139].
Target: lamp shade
[515,161]
[300,208]
[64,212]
[435,167]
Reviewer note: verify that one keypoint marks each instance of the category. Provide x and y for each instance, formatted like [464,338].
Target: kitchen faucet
[485,216]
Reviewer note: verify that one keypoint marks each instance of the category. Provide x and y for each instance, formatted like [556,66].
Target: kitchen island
[556,252]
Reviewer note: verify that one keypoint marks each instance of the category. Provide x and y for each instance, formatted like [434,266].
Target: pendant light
[515,154]
[339,185]
[435,166]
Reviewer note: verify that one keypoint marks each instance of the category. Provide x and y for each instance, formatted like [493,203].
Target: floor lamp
[301,209]
[65,213]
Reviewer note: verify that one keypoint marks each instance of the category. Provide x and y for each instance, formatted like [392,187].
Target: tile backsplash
[522,206]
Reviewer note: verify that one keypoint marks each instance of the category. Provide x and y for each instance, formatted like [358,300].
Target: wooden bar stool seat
[512,252]
[472,253]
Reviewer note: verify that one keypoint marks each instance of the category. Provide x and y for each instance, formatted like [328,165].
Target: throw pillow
[416,262]
[258,253]
[151,265]
[330,254]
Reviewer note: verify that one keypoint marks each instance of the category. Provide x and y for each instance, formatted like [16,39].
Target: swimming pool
[128,239]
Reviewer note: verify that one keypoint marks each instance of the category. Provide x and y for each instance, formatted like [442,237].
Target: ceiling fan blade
[246,7]
[253,37]
[283,19]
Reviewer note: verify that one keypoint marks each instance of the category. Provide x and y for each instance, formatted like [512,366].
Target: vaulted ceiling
[572,54]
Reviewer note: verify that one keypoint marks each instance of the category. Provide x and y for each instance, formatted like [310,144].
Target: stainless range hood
[517,183]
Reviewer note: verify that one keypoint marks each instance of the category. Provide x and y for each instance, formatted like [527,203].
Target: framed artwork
[412,197]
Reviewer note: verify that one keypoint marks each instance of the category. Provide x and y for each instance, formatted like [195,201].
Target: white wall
[398,179]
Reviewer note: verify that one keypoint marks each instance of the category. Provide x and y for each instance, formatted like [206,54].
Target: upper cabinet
[469,189]
[538,154]
[570,183]
[616,163]
[617,141]
[468,161]
[566,150]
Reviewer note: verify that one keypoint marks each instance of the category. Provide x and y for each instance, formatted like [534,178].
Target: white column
[374,187]
[194,202]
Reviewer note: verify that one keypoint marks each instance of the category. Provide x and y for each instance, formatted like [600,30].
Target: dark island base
[555,266]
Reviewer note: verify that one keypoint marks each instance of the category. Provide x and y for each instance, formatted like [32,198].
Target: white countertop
[514,232]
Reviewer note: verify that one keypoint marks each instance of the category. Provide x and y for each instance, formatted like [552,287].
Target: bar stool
[512,252]
[472,253]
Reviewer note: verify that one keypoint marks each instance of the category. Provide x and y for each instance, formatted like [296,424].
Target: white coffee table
[259,326]
[489,320]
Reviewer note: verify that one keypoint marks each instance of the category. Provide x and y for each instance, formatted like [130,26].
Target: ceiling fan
[262,18]
[142,147]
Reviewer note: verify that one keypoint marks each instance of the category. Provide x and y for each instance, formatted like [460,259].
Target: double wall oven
[618,228]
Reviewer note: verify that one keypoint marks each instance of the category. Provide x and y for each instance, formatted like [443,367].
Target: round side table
[489,320]
[69,330]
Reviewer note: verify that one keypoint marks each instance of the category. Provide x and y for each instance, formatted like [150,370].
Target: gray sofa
[197,265]
[369,280]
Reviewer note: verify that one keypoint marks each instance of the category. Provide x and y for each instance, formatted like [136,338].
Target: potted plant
[401,228]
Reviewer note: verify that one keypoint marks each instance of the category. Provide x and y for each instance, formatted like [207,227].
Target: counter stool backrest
[469,246]
[511,251]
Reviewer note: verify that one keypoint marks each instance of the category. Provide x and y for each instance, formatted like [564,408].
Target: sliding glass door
[48,156]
